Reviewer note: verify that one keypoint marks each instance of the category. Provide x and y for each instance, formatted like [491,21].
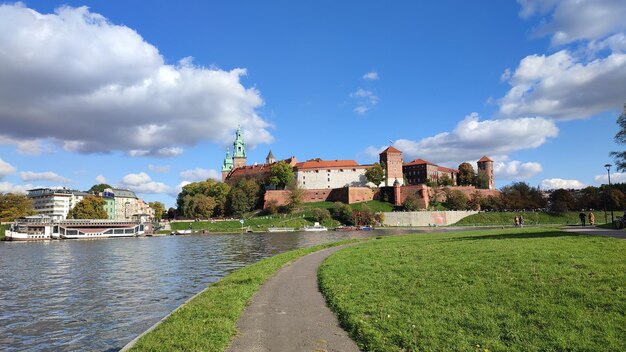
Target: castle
[344,180]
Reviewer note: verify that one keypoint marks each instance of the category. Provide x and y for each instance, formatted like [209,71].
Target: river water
[97,295]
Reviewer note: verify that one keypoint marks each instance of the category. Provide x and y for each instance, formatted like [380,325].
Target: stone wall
[425,218]
[347,195]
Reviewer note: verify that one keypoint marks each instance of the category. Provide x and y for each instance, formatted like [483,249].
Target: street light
[608,172]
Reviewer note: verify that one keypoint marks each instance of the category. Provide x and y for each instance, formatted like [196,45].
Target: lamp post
[608,172]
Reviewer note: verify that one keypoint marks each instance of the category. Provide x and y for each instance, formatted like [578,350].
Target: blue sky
[148,95]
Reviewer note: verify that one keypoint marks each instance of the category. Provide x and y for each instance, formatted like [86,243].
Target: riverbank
[208,321]
[530,218]
[498,290]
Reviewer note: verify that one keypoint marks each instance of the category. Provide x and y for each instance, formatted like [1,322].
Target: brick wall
[347,195]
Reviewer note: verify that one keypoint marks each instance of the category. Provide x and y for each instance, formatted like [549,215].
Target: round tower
[485,171]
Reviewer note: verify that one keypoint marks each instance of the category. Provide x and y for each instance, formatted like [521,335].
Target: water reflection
[100,294]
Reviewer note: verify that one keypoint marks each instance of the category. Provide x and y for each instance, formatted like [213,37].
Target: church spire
[227,166]
[239,149]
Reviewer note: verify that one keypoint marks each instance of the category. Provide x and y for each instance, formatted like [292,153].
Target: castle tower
[227,166]
[392,160]
[270,158]
[485,167]
[239,150]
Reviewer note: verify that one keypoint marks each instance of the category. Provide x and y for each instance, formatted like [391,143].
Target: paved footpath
[290,314]
[596,231]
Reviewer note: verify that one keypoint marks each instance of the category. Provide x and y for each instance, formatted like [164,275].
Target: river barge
[41,227]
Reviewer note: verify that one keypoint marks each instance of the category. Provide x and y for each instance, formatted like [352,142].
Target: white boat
[315,228]
[281,229]
[42,227]
[30,228]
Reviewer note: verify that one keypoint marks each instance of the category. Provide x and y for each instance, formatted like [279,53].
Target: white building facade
[329,174]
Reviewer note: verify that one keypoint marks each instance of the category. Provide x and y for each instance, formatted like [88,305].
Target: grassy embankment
[499,290]
[530,218]
[2,229]
[262,222]
[208,322]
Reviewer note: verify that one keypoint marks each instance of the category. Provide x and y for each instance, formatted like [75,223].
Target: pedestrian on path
[516,221]
[582,217]
[521,221]
[592,218]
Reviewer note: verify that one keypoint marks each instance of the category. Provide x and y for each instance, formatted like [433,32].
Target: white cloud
[471,139]
[93,86]
[47,176]
[27,147]
[101,179]
[142,183]
[557,183]
[6,169]
[572,20]
[365,100]
[616,177]
[7,187]
[565,86]
[516,170]
[159,168]
[199,174]
[136,179]
[371,76]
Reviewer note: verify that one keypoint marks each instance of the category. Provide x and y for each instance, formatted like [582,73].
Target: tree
[620,138]
[466,175]
[13,206]
[171,213]
[98,188]
[89,208]
[281,174]
[445,180]
[244,196]
[375,174]
[481,181]
[342,213]
[159,210]
[320,215]
[562,200]
[456,200]
[589,198]
[296,196]
[412,202]
[363,216]
[218,191]
[475,201]
[519,195]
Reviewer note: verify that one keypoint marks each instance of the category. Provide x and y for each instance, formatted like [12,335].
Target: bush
[342,213]
[320,215]
[412,202]
[272,208]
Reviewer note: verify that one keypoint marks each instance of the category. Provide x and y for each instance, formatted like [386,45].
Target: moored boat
[280,229]
[315,228]
[41,227]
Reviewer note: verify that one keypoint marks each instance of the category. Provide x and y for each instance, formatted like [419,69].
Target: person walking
[582,217]
[516,221]
[592,218]
[521,221]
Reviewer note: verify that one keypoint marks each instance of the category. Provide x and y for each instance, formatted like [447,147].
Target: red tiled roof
[484,159]
[419,162]
[447,169]
[250,170]
[390,149]
[320,164]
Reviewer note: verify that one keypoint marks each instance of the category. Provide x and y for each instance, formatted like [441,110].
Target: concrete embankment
[425,218]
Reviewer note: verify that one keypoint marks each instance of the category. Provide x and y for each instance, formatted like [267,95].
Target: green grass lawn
[260,223]
[208,322]
[530,218]
[374,205]
[500,290]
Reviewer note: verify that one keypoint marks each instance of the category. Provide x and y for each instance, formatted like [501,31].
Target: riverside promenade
[596,231]
[290,314]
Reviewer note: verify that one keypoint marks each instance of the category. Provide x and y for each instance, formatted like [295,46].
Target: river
[97,295]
